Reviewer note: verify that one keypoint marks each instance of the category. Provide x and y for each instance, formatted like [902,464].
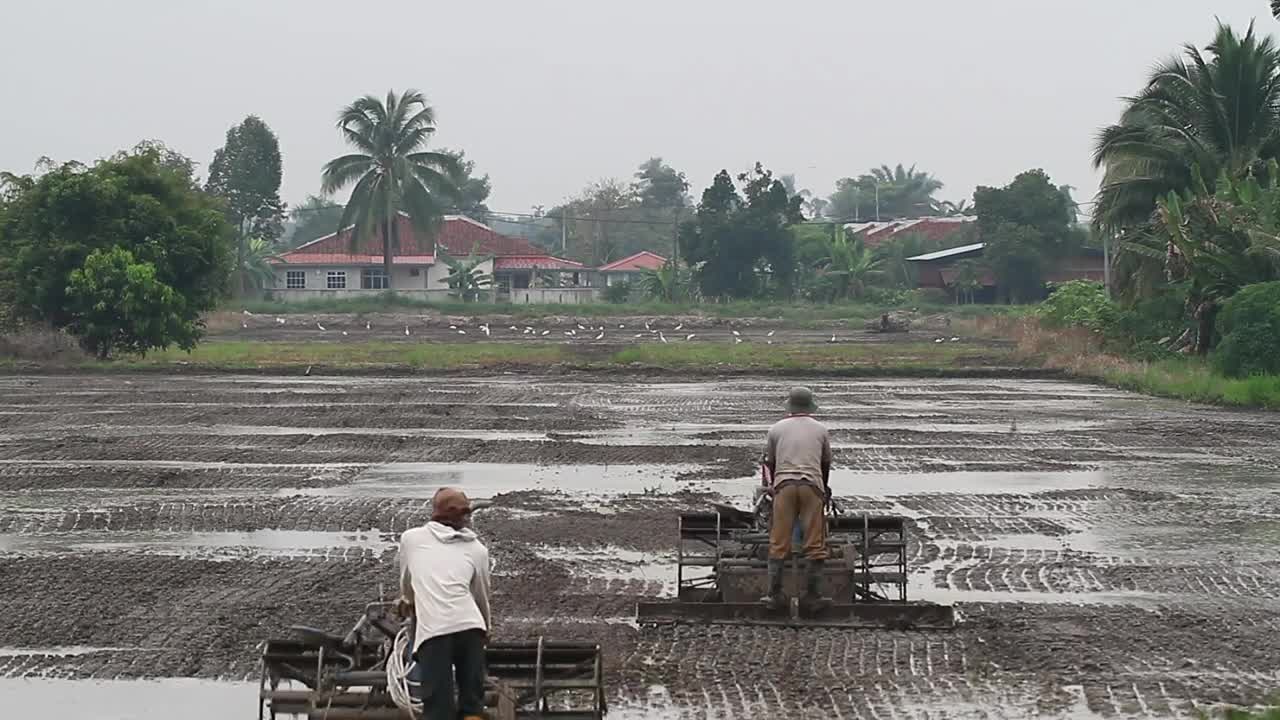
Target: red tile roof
[537,262]
[458,236]
[305,258]
[643,260]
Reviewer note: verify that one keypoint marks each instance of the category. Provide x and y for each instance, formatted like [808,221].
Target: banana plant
[668,283]
[466,278]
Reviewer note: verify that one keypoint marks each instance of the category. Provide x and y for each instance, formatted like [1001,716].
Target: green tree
[314,218]
[811,241]
[473,190]
[599,222]
[1025,225]
[115,303]
[246,173]
[902,192]
[739,244]
[466,278]
[967,280]
[1218,112]
[894,255]
[658,185]
[390,172]
[134,201]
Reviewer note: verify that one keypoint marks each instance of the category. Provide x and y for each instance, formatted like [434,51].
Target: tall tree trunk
[390,237]
[1206,313]
[386,251]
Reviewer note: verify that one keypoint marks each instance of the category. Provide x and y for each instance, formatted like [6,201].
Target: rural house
[940,269]
[332,266]
[630,269]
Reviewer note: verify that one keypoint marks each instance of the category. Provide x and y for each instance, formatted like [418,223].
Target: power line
[503,216]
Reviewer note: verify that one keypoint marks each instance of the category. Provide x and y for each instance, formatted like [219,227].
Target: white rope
[403,690]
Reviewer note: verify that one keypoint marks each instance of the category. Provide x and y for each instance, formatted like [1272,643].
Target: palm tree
[255,265]
[947,208]
[849,267]
[1219,113]
[390,171]
[902,192]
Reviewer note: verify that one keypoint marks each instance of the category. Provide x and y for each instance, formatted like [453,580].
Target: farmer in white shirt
[444,578]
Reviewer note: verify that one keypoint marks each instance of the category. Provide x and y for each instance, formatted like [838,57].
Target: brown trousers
[801,501]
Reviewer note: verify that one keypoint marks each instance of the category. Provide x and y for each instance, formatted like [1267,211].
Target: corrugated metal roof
[937,229]
[949,252]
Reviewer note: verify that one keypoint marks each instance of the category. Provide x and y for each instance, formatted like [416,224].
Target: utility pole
[675,236]
[564,231]
[1106,262]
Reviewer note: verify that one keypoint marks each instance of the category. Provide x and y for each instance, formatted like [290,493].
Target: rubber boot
[812,602]
[775,599]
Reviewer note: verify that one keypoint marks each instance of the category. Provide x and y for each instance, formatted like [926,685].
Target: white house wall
[438,274]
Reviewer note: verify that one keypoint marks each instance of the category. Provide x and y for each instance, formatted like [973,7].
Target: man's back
[798,446]
[448,573]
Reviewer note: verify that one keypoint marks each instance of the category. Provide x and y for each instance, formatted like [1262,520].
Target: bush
[932,296]
[889,297]
[1151,320]
[1078,303]
[116,303]
[1249,325]
[38,344]
[617,293]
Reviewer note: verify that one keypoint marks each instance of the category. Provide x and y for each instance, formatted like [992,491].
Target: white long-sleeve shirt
[446,574]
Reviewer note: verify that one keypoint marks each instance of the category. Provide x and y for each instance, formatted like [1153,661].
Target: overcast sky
[548,96]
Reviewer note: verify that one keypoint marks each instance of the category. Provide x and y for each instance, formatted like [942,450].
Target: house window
[374,279]
[336,280]
[295,279]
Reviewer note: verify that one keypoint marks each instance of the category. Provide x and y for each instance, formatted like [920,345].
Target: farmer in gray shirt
[798,457]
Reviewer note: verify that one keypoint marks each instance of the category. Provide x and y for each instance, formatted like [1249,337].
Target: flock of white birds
[583,332]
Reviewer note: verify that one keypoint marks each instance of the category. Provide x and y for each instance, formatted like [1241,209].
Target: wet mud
[1110,555]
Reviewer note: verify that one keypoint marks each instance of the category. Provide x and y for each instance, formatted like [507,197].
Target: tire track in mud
[59,478]
[1205,630]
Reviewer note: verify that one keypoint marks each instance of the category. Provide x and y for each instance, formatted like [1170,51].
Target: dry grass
[1080,353]
[40,345]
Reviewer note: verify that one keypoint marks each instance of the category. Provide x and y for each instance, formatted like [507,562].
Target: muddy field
[1109,554]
